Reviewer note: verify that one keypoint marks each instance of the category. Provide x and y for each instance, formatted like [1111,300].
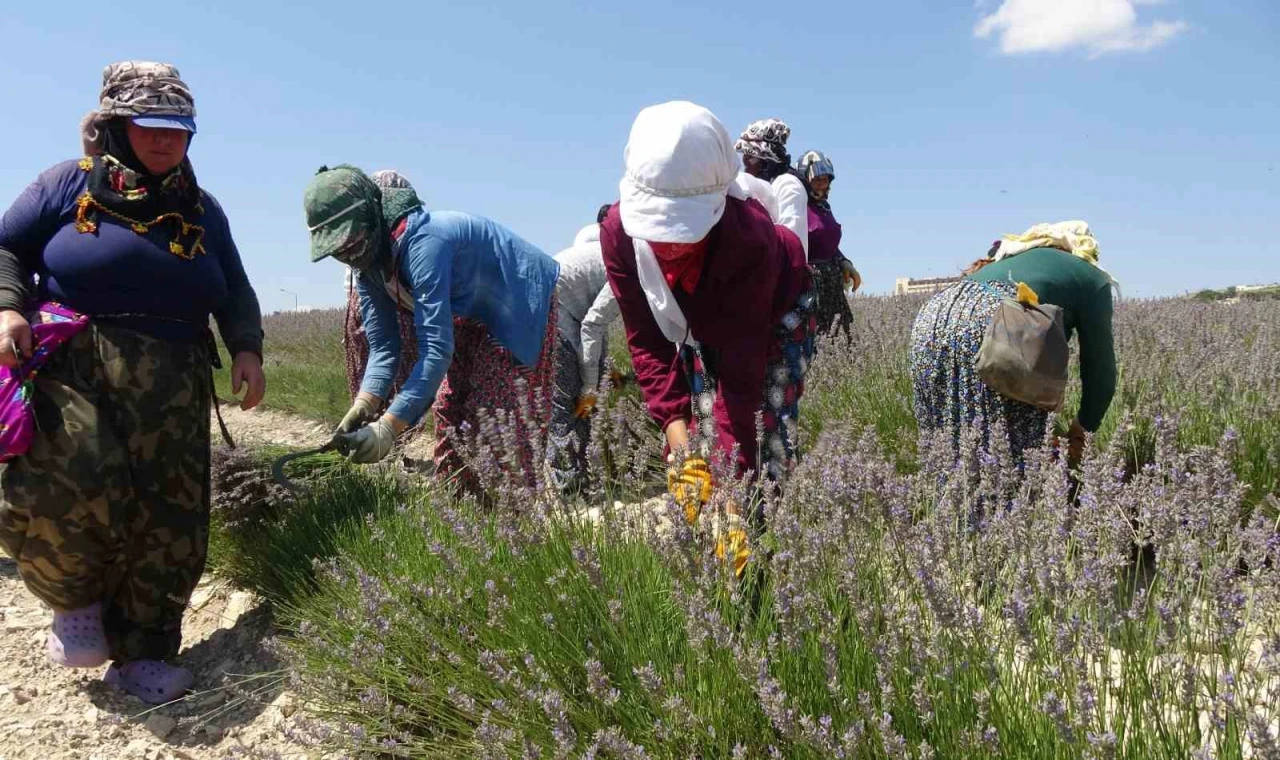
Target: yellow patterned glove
[732,539]
[690,486]
[585,406]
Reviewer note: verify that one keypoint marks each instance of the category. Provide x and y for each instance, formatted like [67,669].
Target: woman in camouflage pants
[107,512]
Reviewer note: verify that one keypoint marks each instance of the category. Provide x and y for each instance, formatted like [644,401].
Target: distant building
[905,286]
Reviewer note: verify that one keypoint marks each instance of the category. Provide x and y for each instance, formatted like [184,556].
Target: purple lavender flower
[598,685]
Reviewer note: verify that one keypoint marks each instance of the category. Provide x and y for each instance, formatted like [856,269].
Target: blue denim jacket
[455,265]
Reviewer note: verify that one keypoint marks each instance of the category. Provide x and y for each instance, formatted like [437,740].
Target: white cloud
[1098,26]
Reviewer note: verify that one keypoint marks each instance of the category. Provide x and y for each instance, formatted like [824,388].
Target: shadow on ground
[237,681]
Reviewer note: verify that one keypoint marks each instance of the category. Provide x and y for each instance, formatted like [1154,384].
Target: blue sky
[949,123]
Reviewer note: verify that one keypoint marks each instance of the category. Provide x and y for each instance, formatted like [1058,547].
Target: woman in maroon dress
[716,301]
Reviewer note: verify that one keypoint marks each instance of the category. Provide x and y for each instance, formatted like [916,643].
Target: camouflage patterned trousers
[111,503]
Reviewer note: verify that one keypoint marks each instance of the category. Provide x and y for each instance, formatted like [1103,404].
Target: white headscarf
[680,167]
[680,163]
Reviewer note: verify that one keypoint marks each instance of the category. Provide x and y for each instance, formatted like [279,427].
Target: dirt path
[240,708]
[265,426]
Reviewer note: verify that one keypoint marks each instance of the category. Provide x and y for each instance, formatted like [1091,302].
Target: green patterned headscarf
[350,217]
[397,203]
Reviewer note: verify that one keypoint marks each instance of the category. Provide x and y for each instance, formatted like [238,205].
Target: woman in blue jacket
[484,311]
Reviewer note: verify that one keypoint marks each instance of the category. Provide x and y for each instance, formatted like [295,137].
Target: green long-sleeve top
[1084,293]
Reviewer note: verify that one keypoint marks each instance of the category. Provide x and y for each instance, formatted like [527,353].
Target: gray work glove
[360,414]
[371,443]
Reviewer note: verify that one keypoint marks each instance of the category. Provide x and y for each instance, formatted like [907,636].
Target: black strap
[215,363]
[217,412]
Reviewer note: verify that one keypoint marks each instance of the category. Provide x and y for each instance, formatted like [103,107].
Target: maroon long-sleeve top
[752,274]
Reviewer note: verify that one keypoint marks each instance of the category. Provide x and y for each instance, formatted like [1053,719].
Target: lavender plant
[958,611]
[266,538]
[303,358]
[1212,366]
[898,603]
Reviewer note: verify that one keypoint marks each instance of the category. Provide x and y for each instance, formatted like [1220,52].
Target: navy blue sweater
[117,275]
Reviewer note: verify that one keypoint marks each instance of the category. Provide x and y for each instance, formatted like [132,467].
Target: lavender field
[897,606]
[303,359]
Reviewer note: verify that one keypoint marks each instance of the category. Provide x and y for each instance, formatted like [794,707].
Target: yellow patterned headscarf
[1074,237]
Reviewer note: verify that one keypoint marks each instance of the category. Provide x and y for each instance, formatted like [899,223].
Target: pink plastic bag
[52,325]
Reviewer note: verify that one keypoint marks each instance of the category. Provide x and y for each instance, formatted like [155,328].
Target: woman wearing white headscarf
[715,299]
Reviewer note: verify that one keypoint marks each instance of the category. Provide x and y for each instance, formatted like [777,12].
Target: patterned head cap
[143,88]
[814,164]
[132,89]
[344,216]
[387,178]
[766,140]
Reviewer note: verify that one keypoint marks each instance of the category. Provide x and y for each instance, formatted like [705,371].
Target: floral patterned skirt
[949,395]
[790,353]
[483,375]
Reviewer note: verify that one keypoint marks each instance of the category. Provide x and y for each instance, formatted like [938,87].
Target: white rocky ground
[52,713]
[240,708]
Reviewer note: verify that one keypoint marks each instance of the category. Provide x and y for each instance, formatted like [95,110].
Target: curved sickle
[277,468]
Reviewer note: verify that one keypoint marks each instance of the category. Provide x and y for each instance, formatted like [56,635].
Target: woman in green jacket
[1059,263]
